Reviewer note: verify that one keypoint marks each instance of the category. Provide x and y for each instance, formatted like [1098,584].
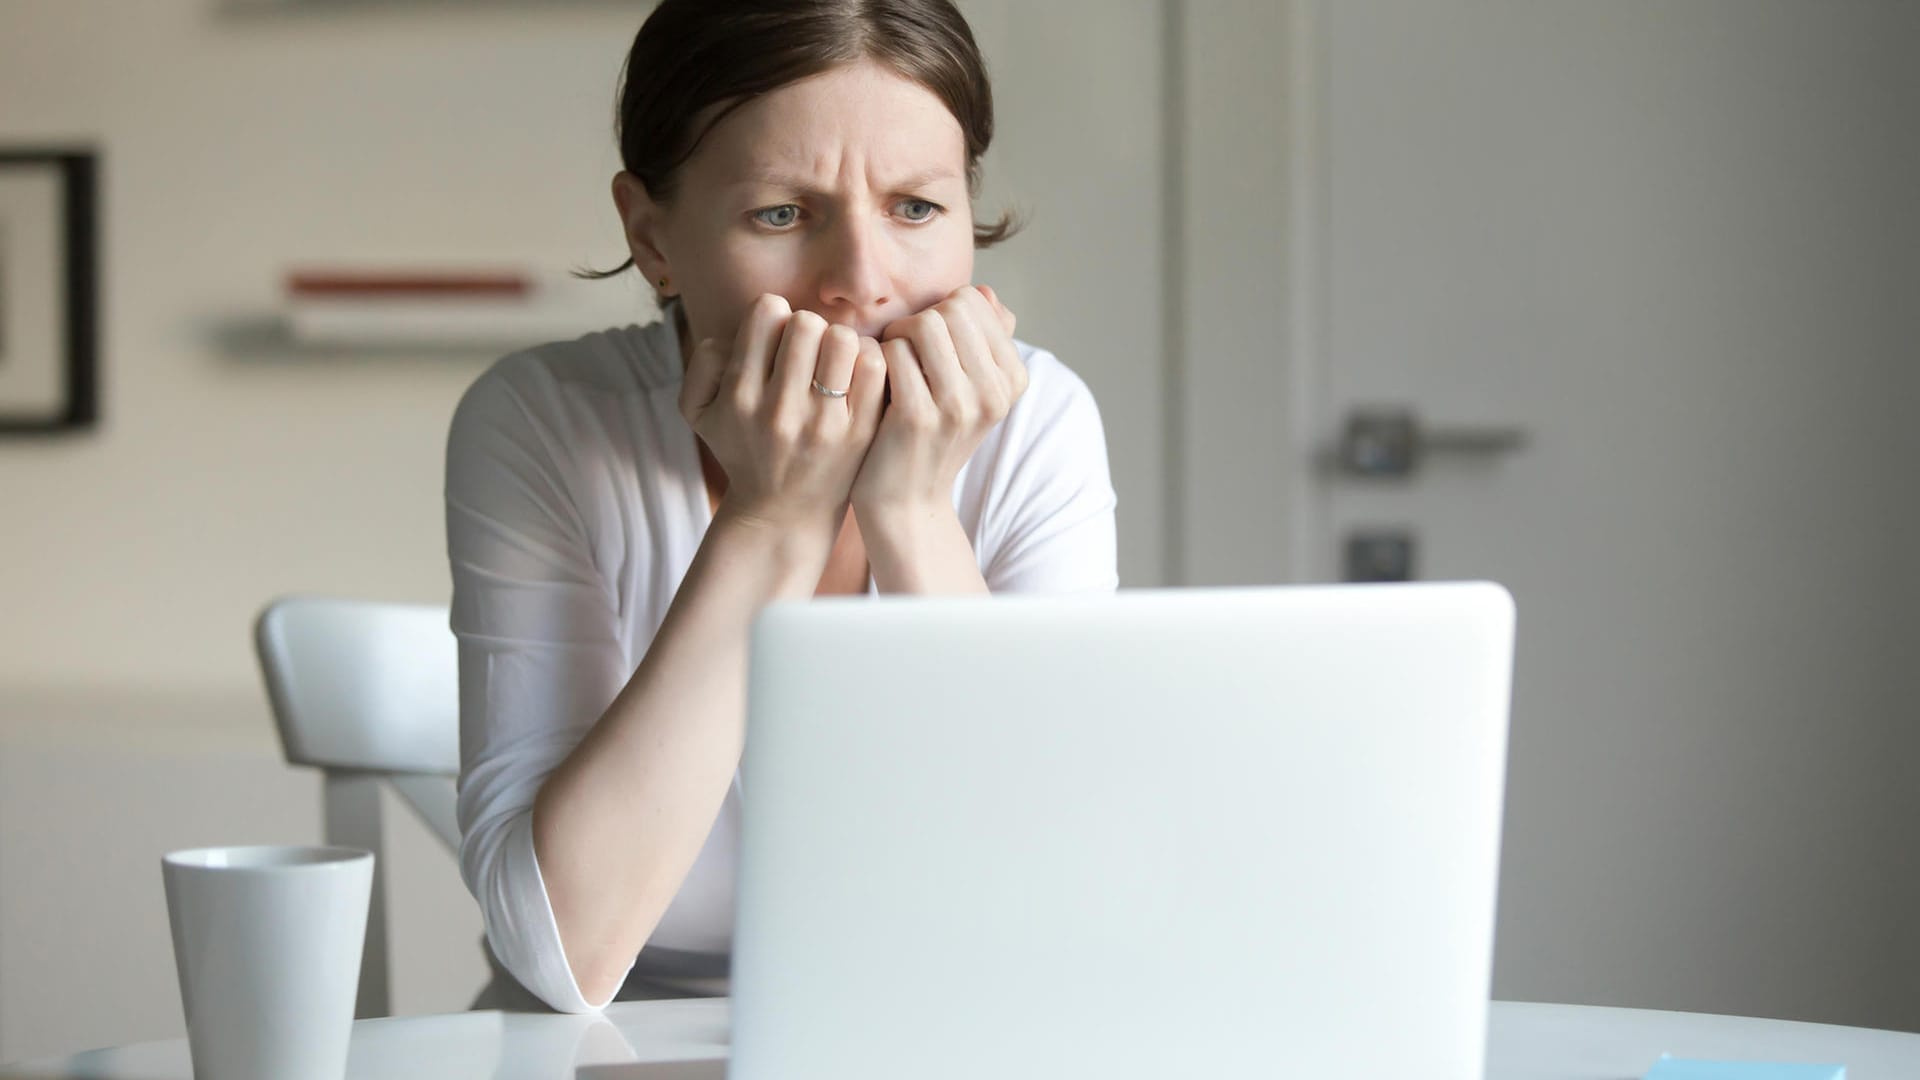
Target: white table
[687,1040]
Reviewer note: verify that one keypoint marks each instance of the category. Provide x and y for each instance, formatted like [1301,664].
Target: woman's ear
[640,221]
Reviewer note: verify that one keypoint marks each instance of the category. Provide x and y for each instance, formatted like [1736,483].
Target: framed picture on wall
[48,321]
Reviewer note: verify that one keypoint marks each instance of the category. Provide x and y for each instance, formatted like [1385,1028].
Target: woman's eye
[918,209]
[778,216]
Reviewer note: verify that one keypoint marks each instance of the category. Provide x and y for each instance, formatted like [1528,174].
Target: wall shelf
[388,312]
[273,337]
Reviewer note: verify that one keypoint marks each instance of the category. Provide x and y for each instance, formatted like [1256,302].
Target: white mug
[267,942]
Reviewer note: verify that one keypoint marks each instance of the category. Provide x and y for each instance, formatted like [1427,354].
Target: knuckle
[913,414]
[786,429]
[810,321]
[843,337]
[771,305]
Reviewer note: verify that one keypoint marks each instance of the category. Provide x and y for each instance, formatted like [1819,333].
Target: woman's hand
[953,373]
[791,453]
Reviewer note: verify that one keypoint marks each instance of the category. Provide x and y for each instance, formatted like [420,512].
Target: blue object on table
[1673,1068]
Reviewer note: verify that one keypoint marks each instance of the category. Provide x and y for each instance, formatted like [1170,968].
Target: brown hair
[693,54]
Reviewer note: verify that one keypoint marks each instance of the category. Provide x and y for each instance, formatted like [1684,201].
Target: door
[1659,260]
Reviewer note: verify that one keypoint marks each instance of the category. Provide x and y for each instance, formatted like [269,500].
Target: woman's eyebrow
[924,177]
[805,184]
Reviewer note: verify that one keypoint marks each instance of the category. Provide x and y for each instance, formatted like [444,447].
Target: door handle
[1394,443]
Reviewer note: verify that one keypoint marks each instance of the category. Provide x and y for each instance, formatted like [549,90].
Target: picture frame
[48,290]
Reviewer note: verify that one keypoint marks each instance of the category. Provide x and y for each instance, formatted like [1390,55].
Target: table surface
[687,1040]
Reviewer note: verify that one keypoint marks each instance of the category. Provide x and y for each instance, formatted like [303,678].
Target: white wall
[1241,305]
[232,147]
[235,144]
[241,138]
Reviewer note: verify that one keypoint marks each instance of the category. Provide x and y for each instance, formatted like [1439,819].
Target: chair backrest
[369,694]
[358,684]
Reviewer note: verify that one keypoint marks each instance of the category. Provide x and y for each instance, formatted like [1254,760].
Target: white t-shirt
[575,503]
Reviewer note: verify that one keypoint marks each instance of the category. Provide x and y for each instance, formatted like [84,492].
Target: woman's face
[845,193]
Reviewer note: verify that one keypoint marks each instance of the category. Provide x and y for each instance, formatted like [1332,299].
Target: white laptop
[1169,833]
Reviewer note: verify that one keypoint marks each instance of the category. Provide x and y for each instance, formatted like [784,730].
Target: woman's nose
[854,273]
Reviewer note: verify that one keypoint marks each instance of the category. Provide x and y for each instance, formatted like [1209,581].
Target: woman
[827,406]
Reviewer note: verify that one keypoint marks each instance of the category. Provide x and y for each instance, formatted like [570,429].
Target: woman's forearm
[618,825]
[920,551]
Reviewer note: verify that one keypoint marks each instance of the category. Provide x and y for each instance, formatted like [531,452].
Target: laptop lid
[1208,832]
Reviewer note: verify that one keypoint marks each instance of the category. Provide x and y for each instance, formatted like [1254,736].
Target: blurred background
[1617,303]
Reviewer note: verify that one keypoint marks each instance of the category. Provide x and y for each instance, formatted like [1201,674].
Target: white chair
[368,693]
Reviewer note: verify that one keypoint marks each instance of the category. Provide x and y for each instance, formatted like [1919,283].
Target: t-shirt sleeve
[539,648]
[1055,526]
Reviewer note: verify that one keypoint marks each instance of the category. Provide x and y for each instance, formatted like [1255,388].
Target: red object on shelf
[342,284]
